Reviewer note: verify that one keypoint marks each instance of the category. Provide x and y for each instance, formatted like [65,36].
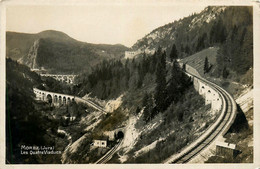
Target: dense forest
[24,123]
[27,121]
[159,83]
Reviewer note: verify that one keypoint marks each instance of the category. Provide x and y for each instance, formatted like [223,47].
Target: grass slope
[197,60]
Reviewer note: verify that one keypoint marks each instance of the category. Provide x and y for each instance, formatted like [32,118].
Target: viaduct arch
[63,78]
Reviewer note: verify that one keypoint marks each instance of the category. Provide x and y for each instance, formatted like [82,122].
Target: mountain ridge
[167,32]
[228,28]
[56,48]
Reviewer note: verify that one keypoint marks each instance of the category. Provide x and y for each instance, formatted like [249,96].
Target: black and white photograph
[121,82]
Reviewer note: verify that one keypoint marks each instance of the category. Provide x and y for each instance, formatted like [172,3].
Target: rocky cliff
[30,59]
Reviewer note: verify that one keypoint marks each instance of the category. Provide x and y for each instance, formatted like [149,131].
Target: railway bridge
[58,99]
[63,78]
[221,101]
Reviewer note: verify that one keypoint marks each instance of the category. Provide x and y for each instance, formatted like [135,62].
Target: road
[218,129]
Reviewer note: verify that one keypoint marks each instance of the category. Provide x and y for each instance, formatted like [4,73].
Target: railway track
[89,103]
[109,154]
[219,128]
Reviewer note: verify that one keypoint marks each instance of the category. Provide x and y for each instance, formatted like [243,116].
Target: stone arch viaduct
[210,95]
[224,103]
[63,78]
[58,99]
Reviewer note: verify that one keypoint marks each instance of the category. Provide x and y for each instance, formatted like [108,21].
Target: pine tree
[174,53]
[160,90]
[145,99]
[206,65]
[201,42]
[173,84]
[187,50]
[148,107]
[225,72]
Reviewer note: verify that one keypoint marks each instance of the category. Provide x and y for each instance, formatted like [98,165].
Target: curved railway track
[219,128]
[109,154]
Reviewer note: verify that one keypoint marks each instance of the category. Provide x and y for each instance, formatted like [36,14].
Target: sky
[100,23]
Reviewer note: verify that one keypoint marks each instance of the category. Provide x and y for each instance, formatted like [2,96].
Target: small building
[131,54]
[100,142]
[224,149]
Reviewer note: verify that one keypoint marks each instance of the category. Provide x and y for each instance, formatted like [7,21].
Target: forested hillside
[33,123]
[149,74]
[154,93]
[229,28]
[24,123]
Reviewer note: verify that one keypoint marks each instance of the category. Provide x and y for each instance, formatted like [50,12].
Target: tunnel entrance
[120,135]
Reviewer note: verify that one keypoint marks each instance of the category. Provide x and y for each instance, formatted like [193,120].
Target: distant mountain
[18,44]
[57,52]
[228,28]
